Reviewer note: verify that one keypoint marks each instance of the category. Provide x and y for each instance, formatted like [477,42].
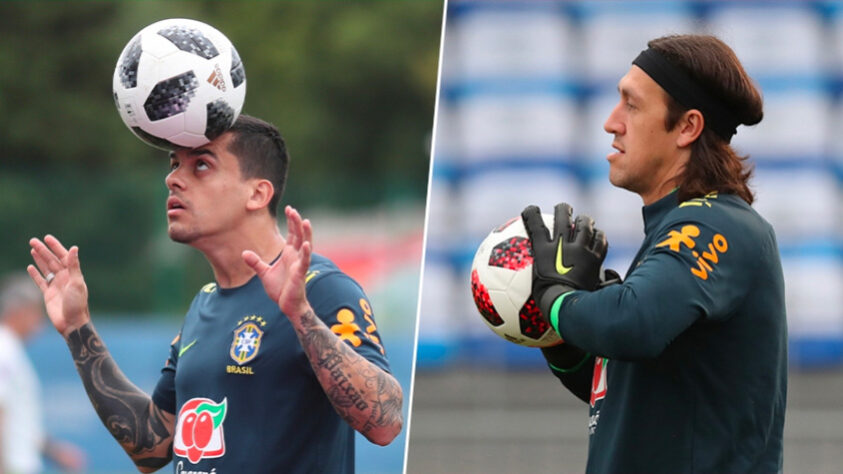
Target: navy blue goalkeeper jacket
[690,352]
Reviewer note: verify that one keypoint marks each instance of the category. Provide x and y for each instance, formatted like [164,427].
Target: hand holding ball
[501,284]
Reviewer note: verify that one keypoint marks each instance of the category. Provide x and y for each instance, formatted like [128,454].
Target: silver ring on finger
[50,277]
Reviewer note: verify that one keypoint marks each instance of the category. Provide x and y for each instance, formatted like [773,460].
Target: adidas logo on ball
[216,79]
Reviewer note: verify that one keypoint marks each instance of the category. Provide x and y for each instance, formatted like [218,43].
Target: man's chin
[623,182]
[180,235]
[616,179]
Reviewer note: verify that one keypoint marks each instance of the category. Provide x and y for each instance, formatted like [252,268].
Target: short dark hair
[714,165]
[261,153]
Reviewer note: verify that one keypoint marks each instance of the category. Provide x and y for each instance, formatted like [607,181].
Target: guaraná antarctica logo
[199,429]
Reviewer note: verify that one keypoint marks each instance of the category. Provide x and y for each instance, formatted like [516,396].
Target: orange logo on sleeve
[346,328]
[371,328]
[706,259]
[718,244]
[683,237]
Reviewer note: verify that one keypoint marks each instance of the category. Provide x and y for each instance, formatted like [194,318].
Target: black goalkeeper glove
[566,260]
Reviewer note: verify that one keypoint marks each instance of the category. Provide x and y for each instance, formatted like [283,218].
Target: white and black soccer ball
[501,285]
[179,83]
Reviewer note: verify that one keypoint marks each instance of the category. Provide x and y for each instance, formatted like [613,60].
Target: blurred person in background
[285,355]
[684,364]
[22,438]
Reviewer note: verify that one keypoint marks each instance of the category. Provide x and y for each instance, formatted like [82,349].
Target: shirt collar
[655,212]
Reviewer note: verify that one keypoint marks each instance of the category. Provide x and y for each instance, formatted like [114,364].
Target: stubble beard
[624,179]
[618,178]
[182,235]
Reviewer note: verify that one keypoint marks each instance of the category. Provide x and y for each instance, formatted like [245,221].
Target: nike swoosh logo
[560,268]
[185,348]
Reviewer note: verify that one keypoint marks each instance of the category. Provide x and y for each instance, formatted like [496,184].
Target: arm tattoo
[129,414]
[367,397]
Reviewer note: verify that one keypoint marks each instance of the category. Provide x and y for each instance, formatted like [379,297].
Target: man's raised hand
[65,294]
[284,280]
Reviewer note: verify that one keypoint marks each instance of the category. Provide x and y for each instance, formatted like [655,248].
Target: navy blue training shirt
[244,394]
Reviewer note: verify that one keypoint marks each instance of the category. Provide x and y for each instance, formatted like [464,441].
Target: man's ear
[262,192]
[690,127]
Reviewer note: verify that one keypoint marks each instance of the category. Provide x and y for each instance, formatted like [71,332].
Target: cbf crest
[247,339]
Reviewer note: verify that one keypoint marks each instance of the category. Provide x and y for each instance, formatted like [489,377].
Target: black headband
[688,92]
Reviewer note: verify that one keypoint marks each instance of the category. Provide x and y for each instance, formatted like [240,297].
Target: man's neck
[658,193]
[225,255]
[667,178]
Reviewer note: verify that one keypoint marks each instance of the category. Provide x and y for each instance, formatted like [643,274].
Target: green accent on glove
[554,311]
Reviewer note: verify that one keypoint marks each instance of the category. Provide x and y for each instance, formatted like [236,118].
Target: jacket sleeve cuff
[551,302]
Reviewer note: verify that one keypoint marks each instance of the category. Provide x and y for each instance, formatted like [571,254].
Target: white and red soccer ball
[501,282]
[179,83]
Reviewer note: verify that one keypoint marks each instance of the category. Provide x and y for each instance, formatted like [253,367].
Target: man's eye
[174,165]
[201,165]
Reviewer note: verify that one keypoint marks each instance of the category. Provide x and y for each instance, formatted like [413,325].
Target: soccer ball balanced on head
[179,83]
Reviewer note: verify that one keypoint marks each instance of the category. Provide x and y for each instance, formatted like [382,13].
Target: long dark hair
[713,165]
